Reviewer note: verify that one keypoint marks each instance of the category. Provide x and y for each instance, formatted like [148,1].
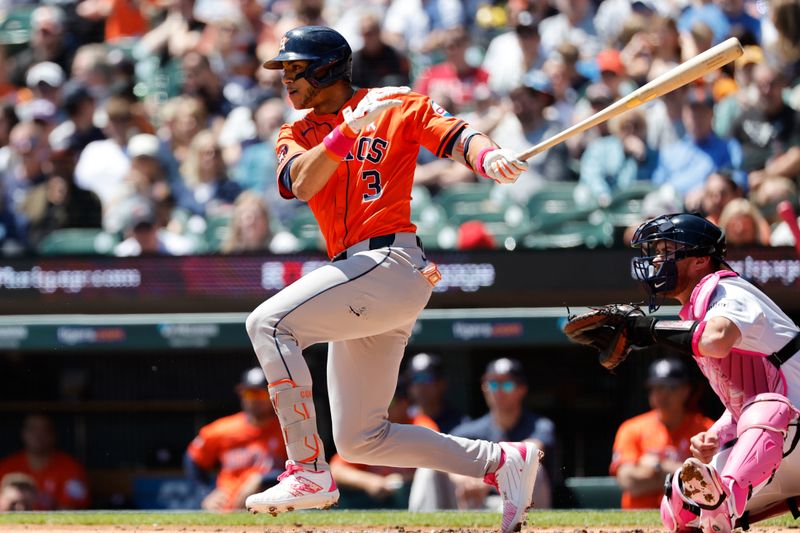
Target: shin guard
[759,449]
[294,406]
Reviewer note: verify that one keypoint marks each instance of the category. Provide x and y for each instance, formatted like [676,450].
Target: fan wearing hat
[245,449]
[650,445]
[504,385]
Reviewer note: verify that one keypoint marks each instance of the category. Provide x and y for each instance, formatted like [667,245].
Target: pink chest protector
[741,375]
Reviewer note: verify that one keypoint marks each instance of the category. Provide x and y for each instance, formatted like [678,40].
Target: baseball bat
[686,72]
[787,214]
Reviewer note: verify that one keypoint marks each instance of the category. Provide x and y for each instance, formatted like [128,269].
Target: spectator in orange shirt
[650,445]
[370,486]
[246,448]
[60,478]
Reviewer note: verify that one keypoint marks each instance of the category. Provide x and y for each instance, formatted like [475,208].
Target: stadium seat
[626,205]
[555,204]
[304,226]
[70,241]
[600,492]
[593,232]
[15,26]
[217,228]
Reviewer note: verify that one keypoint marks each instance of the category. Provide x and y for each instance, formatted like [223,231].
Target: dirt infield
[325,529]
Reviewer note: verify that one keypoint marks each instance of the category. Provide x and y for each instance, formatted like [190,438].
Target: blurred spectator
[123,18]
[665,115]
[8,119]
[615,162]
[49,42]
[513,53]
[597,97]
[783,15]
[568,83]
[711,199]
[60,478]
[18,492]
[370,486]
[376,64]
[743,25]
[769,130]
[649,446]
[103,165]
[250,229]
[709,14]
[183,118]
[44,81]
[454,78]
[8,91]
[230,46]
[145,234]
[427,390]
[58,202]
[743,224]
[526,125]
[79,128]
[769,194]
[245,449]
[504,387]
[574,23]
[686,163]
[91,69]
[419,26]
[27,155]
[207,188]
[176,34]
[200,80]
[746,94]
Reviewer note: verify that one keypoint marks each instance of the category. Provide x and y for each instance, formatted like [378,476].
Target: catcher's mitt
[604,328]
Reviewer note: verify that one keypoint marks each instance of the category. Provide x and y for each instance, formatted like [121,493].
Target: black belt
[381,241]
[785,353]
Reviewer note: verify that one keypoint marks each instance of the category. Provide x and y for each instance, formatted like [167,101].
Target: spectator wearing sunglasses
[245,449]
[504,386]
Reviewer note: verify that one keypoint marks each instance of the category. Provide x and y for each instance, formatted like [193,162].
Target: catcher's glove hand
[605,328]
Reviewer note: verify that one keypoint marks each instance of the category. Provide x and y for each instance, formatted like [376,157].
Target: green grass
[580,518]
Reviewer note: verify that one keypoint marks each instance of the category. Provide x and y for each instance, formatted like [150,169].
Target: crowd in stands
[151,122]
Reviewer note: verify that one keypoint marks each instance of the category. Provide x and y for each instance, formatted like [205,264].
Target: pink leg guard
[759,450]
[678,513]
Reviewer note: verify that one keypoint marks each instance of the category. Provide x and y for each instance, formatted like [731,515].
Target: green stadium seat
[626,204]
[217,229]
[15,26]
[304,226]
[595,231]
[601,492]
[78,241]
[555,204]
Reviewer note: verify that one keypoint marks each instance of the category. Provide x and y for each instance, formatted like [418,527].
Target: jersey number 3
[373,179]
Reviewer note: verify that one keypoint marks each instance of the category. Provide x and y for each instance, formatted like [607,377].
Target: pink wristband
[698,332]
[481,157]
[337,143]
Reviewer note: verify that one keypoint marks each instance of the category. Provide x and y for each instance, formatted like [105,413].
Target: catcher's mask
[329,55]
[663,242]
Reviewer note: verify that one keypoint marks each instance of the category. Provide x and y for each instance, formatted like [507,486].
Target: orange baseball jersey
[239,449]
[370,194]
[61,483]
[645,434]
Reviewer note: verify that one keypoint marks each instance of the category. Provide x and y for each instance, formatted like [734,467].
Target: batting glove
[502,166]
[372,105]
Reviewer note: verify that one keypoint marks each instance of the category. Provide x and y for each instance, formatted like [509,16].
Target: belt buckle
[432,274]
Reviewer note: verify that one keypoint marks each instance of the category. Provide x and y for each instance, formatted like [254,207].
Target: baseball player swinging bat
[685,73]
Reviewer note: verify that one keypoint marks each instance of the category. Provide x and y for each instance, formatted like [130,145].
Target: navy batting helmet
[685,235]
[328,52]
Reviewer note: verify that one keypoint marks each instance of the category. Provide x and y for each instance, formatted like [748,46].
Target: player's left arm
[718,337]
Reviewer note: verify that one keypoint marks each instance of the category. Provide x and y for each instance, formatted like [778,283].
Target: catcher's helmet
[328,52]
[690,235]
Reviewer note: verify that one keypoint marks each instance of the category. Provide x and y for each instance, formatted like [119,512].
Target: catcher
[746,467]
